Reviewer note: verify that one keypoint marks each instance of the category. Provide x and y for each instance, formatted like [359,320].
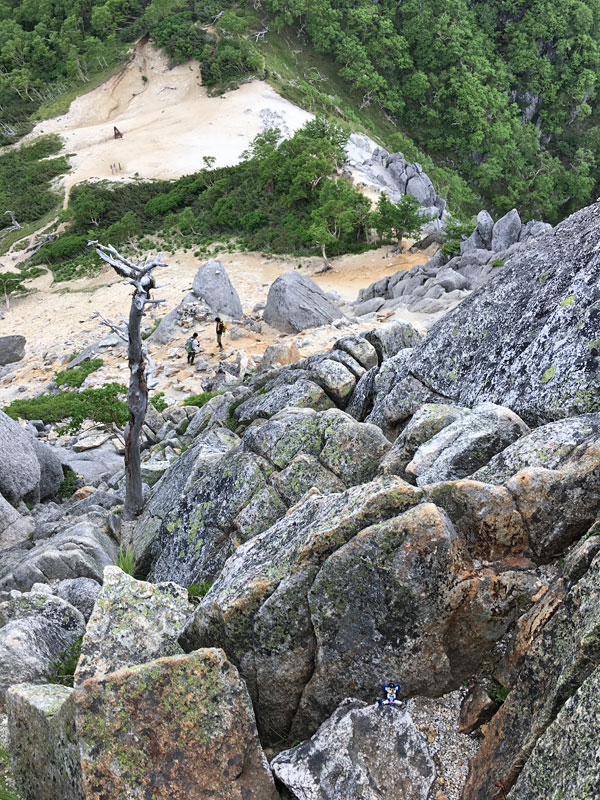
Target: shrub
[158,401]
[200,399]
[64,668]
[100,405]
[498,693]
[68,486]
[198,590]
[6,793]
[75,376]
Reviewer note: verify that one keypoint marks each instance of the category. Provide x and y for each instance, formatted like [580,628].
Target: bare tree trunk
[137,403]
[326,265]
[140,367]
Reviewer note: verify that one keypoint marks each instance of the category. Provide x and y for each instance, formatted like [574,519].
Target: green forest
[498,99]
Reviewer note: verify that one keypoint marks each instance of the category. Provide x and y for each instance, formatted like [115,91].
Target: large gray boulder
[212,284]
[203,453]
[44,751]
[177,727]
[29,469]
[362,751]
[132,622]
[506,231]
[82,550]
[461,447]
[14,528]
[40,627]
[12,349]
[295,303]
[529,338]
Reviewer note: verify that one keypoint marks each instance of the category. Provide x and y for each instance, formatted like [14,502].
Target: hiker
[221,328]
[192,347]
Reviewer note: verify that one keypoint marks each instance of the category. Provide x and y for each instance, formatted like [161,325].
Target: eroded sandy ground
[168,122]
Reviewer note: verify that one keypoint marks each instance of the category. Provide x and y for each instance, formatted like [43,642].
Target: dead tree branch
[14,227]
[141,368]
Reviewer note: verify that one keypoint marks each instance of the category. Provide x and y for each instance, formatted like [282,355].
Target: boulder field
[419,513]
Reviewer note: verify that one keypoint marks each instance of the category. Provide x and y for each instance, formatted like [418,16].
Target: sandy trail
[168,122]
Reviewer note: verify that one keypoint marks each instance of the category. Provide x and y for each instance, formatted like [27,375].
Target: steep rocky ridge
[527,340]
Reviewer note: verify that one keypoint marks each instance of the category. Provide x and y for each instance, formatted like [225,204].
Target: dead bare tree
[141,369]
[14,227]
[261,34]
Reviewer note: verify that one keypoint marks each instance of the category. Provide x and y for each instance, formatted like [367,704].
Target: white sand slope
[168,122]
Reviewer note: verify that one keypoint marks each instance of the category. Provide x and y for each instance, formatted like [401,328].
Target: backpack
[188,346]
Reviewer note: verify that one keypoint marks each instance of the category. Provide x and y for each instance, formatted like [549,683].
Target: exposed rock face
[14,528]
[295,303]
[564,762]
[392,174]
[204,451]
[238,496]
[465,444]
[529,339]
[563,657]
[82,550]
[80,593]
[179,727]
[568,444]
[39,628]
[133,622]
[336,594]
[212,284]
[371,752]
[12,348]
[29,470]
[44,751]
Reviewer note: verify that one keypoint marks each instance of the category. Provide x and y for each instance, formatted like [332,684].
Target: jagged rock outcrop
[132,622]
[443,281]
[176,727]
[371,165]
[328,599]
[372,752]
[562,658]
[36,629]
[12,349]
[213,286]
[295,302]
[528,339]
[237,497]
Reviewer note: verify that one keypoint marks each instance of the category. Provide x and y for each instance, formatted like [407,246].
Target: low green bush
[6,793]
[158,401]
[75,376]
[64,668]
[200,399]
[68,486]
[100,405]
[198,590]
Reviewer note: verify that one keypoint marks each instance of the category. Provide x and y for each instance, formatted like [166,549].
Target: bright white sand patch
[168,122]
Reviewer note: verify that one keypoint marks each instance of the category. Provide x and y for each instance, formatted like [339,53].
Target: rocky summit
[356,555]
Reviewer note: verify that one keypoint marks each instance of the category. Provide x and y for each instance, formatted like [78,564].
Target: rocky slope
[396,509]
